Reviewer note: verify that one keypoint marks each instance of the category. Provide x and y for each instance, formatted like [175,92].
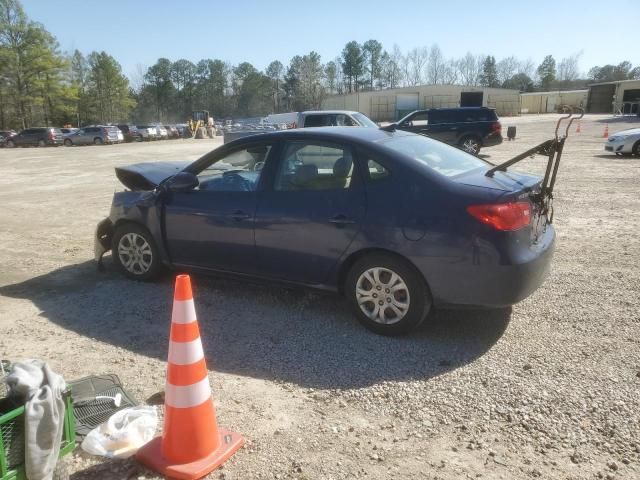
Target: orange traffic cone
[191,445]
[578,127]
[606,131]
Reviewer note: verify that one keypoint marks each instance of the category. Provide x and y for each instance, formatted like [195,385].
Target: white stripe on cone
[188,396]
[185,353]
[184,311]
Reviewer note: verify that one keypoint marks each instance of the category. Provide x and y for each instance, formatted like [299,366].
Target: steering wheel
[236,182]
[258,166]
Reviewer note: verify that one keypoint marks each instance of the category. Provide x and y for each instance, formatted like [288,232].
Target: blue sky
[262,31]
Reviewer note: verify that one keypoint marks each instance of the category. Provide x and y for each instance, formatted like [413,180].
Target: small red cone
[191,445]
[606,131]
[578,127]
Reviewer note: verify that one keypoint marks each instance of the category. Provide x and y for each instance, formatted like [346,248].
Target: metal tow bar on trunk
[552,149]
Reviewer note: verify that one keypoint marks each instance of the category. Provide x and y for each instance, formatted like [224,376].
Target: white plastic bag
[123,434]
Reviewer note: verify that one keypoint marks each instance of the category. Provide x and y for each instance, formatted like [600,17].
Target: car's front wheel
[98,141]
[470,145]
[636,149]
[135,253]
[387,295]
[68,143]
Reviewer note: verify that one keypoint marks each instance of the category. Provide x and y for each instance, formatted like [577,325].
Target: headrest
[342,167]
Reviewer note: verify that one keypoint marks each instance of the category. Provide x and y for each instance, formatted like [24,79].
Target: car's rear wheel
[68,142]
[636,148]
[387,295]
[135,253]
[470,145]
[97,141]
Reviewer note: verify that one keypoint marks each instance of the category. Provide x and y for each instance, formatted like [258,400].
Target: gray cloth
[41,390]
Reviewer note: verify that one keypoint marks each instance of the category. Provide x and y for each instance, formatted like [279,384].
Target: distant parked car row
[90,135]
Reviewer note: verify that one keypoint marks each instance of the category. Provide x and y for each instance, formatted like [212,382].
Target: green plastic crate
[12,440]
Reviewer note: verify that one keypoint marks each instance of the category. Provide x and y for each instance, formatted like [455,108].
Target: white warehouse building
[393,104]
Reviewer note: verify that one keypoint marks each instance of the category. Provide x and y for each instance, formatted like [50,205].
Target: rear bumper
[495,285]
[492,140]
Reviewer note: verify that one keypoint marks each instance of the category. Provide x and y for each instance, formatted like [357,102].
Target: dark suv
[468,128]
[131,133]
[41,137]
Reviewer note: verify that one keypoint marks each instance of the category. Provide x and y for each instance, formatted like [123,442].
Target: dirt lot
[549,389]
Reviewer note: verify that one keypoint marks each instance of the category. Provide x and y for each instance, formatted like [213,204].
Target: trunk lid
[508,182]
[147,176]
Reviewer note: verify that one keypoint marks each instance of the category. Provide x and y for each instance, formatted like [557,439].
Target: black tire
[470,144]
[11,144]
[98,141]
[636,149]
[61,472]
[418,298]
[68,143]
[137,270]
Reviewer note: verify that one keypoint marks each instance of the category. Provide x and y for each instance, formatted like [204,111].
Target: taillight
[496,127]
[52,135]
[503,216]
[105,132]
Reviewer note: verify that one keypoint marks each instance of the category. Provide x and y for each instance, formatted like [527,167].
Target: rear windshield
[442,158]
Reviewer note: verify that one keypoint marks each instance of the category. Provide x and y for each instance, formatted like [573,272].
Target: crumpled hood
[147,176]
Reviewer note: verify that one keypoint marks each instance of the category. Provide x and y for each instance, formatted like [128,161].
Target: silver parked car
[162,132]
[148,132]
[97,135]
[624,142]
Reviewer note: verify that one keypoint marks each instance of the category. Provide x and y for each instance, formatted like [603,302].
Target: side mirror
[182,182]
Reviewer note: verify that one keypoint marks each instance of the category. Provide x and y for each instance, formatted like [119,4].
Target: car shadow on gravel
[266,332]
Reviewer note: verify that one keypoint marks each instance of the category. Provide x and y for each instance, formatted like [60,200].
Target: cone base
[151,456]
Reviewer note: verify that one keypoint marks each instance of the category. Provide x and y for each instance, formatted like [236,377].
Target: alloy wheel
[382,295]
[135,253]
[471,146]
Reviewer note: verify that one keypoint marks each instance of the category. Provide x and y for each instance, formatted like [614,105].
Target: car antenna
[389,128]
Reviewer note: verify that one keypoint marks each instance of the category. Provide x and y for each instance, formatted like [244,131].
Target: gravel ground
[547,389]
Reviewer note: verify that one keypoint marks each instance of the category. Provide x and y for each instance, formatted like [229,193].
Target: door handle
[240,215]
[341,220]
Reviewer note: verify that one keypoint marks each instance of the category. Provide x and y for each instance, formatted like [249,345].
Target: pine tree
[489,75]
[547,72]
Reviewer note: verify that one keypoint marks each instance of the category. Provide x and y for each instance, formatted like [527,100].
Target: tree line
[40,85]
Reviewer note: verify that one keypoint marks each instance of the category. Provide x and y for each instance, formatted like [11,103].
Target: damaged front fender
[142,208]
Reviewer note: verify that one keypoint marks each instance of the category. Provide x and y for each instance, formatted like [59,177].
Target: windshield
[364,120]
[446,160]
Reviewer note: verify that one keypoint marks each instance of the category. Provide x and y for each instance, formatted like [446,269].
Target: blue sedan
[394,221]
